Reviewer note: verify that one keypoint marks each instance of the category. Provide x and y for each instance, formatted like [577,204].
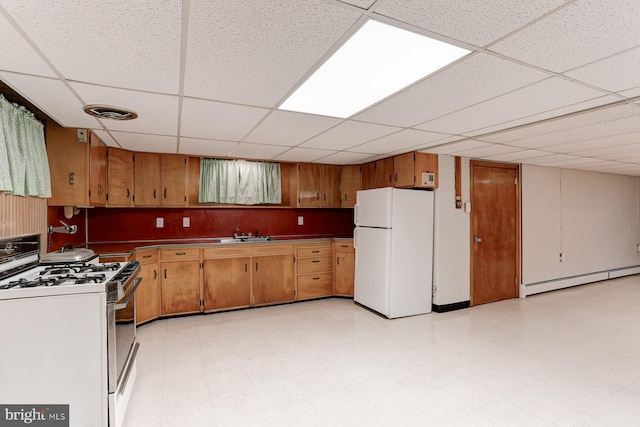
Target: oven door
[121,338]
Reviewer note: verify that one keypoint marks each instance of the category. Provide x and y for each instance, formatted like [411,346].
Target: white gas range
[68,336]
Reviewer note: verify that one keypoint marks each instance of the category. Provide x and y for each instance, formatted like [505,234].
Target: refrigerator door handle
[355,213]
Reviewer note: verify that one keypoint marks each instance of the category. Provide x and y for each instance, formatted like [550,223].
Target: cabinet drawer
[231,251]
[271,249]
[179,254]
[315,250]
[315,285]
[343,246]
[314,265]
[145,257]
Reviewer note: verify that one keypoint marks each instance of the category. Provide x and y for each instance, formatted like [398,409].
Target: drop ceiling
[550,82]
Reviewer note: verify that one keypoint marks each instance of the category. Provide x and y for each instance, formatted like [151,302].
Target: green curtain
[239,182]
[24,168]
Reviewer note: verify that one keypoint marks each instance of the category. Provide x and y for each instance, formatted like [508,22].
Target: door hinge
[202,265]
[107,196]
[133,158]
[515,281]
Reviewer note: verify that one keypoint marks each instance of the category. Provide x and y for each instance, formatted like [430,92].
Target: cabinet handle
[396,177]
[344,246]
[246,267]
[181,253]
[324,195]
[165,273]
[165,192]
[155,274]
[338,260]
[256,266]
[315,278]
[316,260]
[154,193]
[317,196]
[315,252]
[128,193]
[146,256]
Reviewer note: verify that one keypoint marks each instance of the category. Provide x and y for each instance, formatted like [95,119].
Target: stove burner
[13,284]
[69,279]
[97,278]
[99,267]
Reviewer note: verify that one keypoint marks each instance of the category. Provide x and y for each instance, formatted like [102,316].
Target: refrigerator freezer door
[372,269]
[373,208]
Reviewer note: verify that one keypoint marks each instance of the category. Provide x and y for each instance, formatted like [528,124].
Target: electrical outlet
[159,222]
[561,257]
[186,221]
[300,220]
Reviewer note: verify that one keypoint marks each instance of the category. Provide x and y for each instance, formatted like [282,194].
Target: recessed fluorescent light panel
[377,61]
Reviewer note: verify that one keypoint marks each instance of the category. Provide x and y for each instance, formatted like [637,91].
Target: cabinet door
[147,179]
[227,283]
[68,165]
[119,177]
[331,186]
[369,176]
[97,171]
[309,175]
[349,185]
[173,180]
[344,272]
[384,173]
[180,287]
[273,279]
[404,170]
[148,293]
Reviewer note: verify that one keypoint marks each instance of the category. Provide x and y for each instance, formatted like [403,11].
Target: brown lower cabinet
[273,279]
[343,268]
[148,293]
[227,283]
[180,279]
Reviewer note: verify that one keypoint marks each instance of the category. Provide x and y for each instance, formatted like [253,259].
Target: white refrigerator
[393,242]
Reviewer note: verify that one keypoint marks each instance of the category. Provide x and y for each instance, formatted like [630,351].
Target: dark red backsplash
[115,225]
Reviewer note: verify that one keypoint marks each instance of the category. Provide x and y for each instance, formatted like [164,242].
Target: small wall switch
[300,220]
[186,221]
[159,222]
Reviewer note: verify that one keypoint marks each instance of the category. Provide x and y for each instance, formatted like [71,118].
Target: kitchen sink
[244,239]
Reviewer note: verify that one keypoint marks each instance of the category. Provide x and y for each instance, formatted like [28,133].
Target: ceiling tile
[546,95]
[303,155]
[299,127]
[475,79]
[459,18]
[147,143]
[611,152]
[344,158]
[18,55]
[347,135]
[254,52]
[206,147]
[116,42]
[400,141]
[583,32]
[617,73]
[217,120]
[53,97]
[516,156]
[488,150]
[157,114]
[364,4]
[601,144]
[257,151]
[563,124]
[549,158]
[454,147]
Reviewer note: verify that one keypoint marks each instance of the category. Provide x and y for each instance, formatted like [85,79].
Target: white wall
[451,271]
[591,218]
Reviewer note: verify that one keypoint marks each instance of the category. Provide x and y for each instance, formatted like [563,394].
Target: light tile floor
[564,358]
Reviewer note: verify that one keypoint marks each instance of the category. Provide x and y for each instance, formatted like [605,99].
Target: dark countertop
[127,248]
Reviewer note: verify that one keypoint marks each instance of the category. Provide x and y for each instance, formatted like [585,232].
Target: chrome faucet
[238,233]
[66,228]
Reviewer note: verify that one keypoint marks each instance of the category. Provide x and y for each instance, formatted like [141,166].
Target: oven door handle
[123,302]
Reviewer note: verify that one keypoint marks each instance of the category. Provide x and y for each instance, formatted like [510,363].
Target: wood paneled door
[495,231]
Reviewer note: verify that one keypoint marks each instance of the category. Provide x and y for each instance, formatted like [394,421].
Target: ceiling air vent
[108,112]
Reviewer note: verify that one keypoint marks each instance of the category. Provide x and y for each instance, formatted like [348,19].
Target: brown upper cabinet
[404,171]
[160,179]
[119,177]
[319,185]
[349,185]
[77,163]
